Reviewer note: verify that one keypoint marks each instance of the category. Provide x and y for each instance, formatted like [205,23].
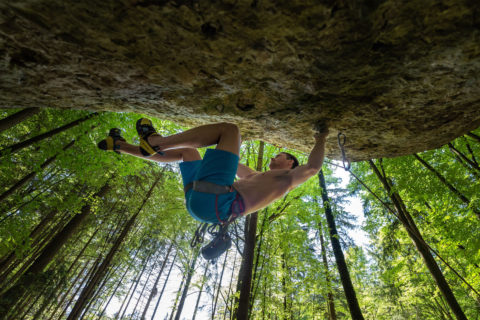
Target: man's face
[280,162]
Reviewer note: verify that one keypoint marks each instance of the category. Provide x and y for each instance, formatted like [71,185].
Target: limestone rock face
[396,77]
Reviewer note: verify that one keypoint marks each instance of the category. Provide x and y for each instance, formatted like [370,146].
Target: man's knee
[190,154]
[229,128]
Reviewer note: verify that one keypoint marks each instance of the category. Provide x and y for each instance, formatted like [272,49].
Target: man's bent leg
[225,135]
[181,154]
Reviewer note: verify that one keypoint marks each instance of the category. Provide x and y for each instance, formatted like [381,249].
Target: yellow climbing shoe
[145,130]
[110,143]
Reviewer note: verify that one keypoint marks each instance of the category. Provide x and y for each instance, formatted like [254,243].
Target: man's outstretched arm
[302,173]
[243,171]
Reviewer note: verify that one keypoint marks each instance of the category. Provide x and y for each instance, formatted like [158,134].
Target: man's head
[283,160]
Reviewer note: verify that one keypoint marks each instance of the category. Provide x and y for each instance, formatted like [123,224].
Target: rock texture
[396,77]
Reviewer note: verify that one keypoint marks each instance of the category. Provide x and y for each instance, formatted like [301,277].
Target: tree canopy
[91,234]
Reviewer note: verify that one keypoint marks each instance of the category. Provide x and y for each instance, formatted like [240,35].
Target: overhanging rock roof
[395,77]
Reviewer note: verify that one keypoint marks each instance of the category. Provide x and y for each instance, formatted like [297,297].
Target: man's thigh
[218,166]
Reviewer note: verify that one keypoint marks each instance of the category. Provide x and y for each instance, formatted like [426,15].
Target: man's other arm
[243,171]
[302,173]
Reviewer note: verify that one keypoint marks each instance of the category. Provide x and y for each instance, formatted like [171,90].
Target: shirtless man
[251,192]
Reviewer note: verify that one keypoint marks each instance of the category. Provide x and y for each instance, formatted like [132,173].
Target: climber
[210,191]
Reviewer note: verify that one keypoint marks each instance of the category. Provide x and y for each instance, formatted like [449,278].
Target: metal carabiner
[342,139]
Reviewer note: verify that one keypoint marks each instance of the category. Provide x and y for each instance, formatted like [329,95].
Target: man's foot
[146,130]
[110,143]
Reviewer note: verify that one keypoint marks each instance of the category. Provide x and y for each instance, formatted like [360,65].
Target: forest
[88,234]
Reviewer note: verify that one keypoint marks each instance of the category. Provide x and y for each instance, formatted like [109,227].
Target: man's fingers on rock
[321,127]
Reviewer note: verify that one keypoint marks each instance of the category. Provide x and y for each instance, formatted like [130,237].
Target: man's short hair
[292,157]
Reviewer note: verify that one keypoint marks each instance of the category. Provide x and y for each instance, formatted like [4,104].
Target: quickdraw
[342,139]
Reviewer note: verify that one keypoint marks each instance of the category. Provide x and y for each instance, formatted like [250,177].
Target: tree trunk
[474,136]
[96,299]
[59,302]
[464,157]
[154,290]
[463,164]
[18,146]
[143,289]
[219,285]
[8,276]
[174,308]
[64,279]
[200,292]
[332,314]
[255,278]
[119,282]
[32,174]
[133,286]
[29,278]
[190,273]
[83,281]
[63,236]
[10,208]
[132,289]
[446,183]
[242,303]
[352,301]
[229,298]
[88,291]
[470,150]
[16,118]
[164,285]
[412,230]
[43,241]
[284,285]
[9,259]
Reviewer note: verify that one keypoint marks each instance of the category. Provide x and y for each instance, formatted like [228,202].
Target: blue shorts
[220,167]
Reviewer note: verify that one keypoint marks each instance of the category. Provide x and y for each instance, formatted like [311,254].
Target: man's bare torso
[260,189]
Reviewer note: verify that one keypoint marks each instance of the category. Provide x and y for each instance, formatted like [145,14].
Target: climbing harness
[347,166]
[221,241]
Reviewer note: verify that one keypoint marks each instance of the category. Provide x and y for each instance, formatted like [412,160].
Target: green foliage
[291,279]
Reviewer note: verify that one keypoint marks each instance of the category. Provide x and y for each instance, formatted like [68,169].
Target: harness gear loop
[199,235]
[342,139]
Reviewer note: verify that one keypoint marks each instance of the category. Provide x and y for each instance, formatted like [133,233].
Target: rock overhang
[395,78]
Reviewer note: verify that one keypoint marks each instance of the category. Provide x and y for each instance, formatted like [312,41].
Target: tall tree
[202,284]
[88,291]
[447,184]
[411,228]
[172,264]
[32,174]
[332,314]
[352,301]
[154,290]
[245,273]
[18,146]
[16,118]
[9,298]
[219,287]
[190,272]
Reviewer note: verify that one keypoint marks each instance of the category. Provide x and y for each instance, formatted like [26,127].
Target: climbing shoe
[146,130]
[220,243]
[110,143]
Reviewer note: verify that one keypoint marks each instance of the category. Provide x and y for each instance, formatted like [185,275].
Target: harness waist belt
[207,187]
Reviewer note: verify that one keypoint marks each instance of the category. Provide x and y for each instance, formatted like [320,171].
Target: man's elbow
[312,170]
